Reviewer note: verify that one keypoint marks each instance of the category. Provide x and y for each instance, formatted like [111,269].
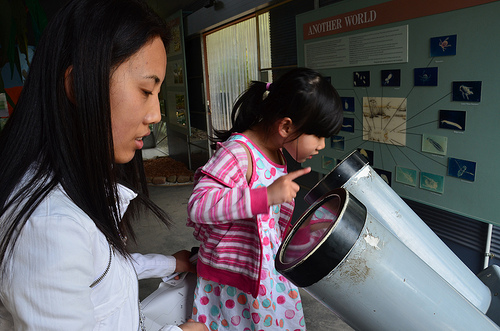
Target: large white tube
[356,176]
[367,276]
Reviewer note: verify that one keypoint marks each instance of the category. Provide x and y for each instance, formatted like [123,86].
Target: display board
[177,107]
[419,82]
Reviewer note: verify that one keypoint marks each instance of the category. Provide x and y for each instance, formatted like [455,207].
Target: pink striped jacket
[222,210]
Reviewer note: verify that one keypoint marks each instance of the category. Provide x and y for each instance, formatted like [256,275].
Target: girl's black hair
[57,139]
[301,94]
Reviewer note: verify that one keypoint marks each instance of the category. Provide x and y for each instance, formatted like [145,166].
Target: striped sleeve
[221,193]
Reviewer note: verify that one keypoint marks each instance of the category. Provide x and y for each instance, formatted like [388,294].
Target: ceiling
[166,8]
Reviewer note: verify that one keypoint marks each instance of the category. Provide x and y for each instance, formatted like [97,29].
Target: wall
[459,214]
[475,60]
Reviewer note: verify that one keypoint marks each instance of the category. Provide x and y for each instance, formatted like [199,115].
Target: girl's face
[134,89]
[304,147]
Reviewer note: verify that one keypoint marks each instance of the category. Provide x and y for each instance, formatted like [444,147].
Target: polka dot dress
[278,305]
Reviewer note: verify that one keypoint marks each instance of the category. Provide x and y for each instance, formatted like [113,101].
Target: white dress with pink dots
[278,305]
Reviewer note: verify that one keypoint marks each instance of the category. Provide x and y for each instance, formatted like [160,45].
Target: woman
[71,171]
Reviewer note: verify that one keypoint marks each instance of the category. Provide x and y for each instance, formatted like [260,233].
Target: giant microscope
[363,253]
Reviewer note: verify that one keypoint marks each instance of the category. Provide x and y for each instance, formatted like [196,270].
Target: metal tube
[356,176]
[488,246]
[382,285]
[356,267]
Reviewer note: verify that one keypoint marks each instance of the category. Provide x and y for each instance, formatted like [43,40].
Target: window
[234,56]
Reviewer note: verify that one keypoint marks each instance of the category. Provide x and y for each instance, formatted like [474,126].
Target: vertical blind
[264,40]
[232,63]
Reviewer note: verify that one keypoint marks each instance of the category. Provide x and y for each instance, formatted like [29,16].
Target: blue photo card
[337,142]
[348,103]
[385,175]
[452,120]
[462,169]
[367,154]
[425,76]
[361,78]
[390,77]
[467,91]
[348,124]
[444,46]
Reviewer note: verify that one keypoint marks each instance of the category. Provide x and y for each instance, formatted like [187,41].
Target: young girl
[242,202]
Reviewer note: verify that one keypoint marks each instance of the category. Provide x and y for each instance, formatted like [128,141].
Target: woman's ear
[285,127]
[68,84]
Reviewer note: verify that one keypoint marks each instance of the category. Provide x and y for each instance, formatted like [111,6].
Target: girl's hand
[284,189]
[191,325]
[182,263]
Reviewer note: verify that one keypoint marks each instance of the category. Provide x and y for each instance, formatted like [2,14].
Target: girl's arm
[213,202]
[221,193]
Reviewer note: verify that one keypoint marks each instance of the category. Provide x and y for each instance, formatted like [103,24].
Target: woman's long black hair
[64,140]
[301,94]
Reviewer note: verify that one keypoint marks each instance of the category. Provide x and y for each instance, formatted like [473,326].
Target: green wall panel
[477,59]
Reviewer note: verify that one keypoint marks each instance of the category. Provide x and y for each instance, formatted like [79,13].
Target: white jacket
[58,255]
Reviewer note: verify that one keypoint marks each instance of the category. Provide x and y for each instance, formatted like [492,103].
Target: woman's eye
[147,92]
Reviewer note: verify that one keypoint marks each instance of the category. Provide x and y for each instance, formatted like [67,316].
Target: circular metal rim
[337,177]
[334,246]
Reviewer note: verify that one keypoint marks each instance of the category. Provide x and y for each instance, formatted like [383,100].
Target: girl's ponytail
[302,94]
[247,111]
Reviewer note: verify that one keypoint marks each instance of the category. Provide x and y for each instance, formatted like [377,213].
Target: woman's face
[134,89]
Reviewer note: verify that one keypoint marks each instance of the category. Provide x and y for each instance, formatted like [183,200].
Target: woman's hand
[284,189]
[191,325]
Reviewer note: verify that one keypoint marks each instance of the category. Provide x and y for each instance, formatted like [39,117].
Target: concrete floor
[155,237]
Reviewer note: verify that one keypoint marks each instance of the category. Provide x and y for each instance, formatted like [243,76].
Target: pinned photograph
[406,176]
[348,124]
[462,169]
[328,163]
[385,175]
[425,76]
[338,143]
[174,74]
[444,46]
[384,120]
[361,78]
[347,103]
[432,182]
[390,77]
[434,144]
[367,154]
[4,107]
[469,91]
[452,120]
